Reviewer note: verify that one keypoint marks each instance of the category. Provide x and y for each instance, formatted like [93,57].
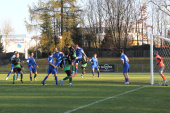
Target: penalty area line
[104,99]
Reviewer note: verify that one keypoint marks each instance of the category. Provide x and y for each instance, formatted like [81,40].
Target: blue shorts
[32,69]
[94,67]
[78,60]
[126,68]
[12,66]
[53,71]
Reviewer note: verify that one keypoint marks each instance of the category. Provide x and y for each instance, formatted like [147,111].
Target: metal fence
[117,68]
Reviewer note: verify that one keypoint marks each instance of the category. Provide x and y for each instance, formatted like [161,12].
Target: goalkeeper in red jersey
[161,66]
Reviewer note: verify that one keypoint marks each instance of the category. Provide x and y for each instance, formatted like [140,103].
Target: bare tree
[163,5]
[7,29]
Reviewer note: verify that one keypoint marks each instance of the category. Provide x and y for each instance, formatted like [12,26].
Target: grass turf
[36,98]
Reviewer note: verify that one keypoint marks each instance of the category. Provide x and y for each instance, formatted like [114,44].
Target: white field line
[104,100]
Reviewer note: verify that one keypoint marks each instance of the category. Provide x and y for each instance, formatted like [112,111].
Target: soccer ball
[60,37]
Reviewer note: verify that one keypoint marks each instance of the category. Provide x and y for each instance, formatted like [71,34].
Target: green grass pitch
[107,94]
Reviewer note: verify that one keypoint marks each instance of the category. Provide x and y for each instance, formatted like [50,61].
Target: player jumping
[125,65]
[72,55]
[161,66]
[57,55]
[31,66]
[17,67]
[94,65]
[79,55]
[67,62]
[51,69]
[15,52]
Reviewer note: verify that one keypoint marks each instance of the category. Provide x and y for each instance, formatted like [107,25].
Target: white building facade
[18,43]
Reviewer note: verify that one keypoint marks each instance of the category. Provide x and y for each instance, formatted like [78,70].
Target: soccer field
[107,94]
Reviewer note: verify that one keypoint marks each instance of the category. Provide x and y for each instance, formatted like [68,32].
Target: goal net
[160,45]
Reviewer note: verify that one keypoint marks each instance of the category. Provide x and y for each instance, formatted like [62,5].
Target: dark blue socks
[56,79]
[76,70]
[93,73]
[45,78]
[9,73]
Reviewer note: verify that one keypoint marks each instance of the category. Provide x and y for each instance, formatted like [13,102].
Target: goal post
[151,59]
[162,45]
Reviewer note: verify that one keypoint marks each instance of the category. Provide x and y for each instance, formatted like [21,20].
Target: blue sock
[30,78]
[56,79]
[76,70]
[45,78]
[93,73]
[9,73]
[127,79]
[98,73]
[17,75]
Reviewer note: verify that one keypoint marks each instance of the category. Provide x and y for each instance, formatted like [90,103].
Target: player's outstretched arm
[84,53]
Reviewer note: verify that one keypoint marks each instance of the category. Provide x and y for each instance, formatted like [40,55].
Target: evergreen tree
[77,35]
[90,38]
[1,45]
[55,18]
[107,42]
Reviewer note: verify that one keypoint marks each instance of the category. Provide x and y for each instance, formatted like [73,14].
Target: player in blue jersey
[31,66]
[15,52]
[94,65]
[57,54]
[126,66]
[51,69]
[79,54]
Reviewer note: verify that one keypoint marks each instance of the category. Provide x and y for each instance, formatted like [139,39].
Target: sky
[15,12]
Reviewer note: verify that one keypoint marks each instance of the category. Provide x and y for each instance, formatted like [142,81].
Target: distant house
[134,37]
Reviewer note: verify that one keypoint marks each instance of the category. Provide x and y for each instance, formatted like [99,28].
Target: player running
[31,66]
[17,67]
[67,62]
[125,65]
[51,69]
[83,65]
[79,55]
[72,55]
[15,52]
[57,55]
[94,65]
[161,66]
